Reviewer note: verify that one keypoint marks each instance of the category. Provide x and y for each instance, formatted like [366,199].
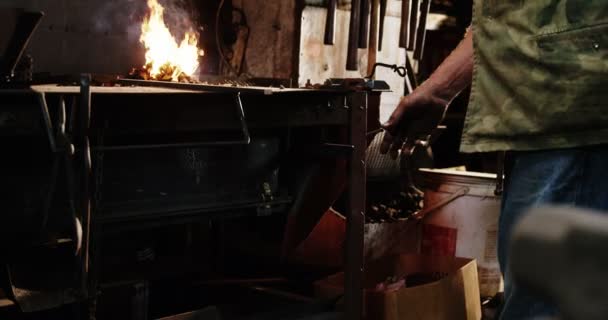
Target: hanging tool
[383,4]
[401,71]
[405,16]
[413,24]
[330,23]
[352,57]
[372,56]
[364,26]
[421,34]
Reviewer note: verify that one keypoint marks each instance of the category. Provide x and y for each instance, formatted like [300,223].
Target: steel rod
[364,27]
[413,24]
[353,282]
[352,56]
[405,24]
[421,34]
[330,23]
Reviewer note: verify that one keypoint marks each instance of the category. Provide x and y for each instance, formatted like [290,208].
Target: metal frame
[353,280]
[88,204]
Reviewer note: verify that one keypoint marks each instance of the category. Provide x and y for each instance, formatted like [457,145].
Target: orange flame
[165,59]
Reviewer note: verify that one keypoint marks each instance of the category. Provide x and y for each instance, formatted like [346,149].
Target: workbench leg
[357,102]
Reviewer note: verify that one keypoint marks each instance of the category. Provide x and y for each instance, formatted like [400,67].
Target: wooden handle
[352,57]
[405,17]
[330,24]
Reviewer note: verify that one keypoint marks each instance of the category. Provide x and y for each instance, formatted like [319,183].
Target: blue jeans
[577,177]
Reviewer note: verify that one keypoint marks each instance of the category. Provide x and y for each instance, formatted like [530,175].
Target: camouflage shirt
[541,75]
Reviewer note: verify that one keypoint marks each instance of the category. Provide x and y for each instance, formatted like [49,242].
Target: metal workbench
[82,124]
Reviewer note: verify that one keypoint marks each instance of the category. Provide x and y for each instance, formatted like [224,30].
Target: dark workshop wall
[85,35]
[102,36]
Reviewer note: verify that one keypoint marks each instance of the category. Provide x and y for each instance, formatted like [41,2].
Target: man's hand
[416,116]
[420,112]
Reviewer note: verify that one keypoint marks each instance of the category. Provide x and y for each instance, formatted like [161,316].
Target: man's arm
[420,112]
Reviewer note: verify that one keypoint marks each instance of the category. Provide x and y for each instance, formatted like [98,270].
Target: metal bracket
[265,209]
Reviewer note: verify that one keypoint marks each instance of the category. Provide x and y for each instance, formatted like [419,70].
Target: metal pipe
[421,34]
[405,17]
[413,24]
[373,37]
[352,57]
[363,31]
[355,217]
[330,23]
[383,6]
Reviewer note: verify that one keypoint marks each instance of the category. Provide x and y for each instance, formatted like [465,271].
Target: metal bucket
[460,217]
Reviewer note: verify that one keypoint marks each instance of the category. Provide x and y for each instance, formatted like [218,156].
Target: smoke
[126,16]
[179,17]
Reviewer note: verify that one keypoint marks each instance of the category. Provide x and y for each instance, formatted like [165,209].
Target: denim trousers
[576,177]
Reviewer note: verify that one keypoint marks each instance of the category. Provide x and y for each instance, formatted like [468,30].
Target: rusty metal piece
[405,17]
[364,27]
[352,56]
[415,8]
[421,34]
[330,23]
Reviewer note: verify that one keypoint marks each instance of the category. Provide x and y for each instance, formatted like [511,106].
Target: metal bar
[383,7]
[46,119]
[352,57]
[413,24]
[205,87]
[356,205]
[405,24]
[421,34]
[242,119]
[364,26]
[373,36]
[410,80]
[330,23]
[84,159]
[85,106]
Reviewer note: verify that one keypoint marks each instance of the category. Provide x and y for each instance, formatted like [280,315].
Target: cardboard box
[454,296]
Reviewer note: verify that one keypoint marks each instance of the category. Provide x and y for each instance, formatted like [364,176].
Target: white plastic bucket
[461,208]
